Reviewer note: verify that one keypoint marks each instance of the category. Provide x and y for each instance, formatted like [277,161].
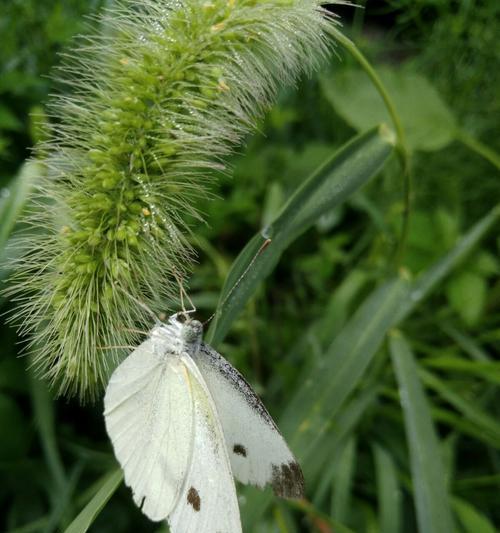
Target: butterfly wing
[258,453]
[208,499]
[149,414]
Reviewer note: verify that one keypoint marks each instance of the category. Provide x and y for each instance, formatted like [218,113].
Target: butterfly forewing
[208,499]
[258,453]
[149,417]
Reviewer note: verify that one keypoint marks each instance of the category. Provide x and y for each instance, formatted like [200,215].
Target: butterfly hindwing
[149,416]
[258,453]
[208,499]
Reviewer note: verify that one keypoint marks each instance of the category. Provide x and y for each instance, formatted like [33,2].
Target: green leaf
[338,373]
[471,519]
[43,407]
[427,121]
[388,491]
[429,484]
[343,480]
[462,425]
[345,425]
[12,202]
[489,371]
[85,519]
[467,406]
[466,293]
[348,169]
[14,197]
[469,345]
[313,417]
[433,277]
[33,527]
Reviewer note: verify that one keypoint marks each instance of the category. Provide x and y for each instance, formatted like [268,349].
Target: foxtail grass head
[154,103]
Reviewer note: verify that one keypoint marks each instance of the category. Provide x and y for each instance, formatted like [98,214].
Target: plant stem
[479,148]
[402,148]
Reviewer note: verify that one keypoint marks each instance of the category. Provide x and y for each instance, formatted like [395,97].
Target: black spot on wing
[239,449]
[287,480]
[193,499]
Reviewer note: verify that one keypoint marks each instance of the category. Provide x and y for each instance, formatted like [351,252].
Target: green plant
[380,377]
[157,99]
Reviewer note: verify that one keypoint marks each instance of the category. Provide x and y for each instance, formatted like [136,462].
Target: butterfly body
[182,422]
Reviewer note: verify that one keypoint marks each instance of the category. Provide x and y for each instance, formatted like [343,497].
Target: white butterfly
[183,421]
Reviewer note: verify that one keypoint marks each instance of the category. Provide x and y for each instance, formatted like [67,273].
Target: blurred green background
[424,406]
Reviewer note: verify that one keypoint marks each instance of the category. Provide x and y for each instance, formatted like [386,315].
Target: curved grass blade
[343,481]
[426,283]
[84,520]
[388,491]
[472,520]
[348,169]
[470,409]
[14,198]
[321,465]
[468,344]
[61,500]
[489,371]
[12,202]
[329,384]
[429,485]
[43,408]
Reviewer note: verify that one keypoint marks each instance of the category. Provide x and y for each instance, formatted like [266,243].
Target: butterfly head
[190,331]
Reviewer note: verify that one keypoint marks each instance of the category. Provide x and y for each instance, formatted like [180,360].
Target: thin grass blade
[467,407]
[328,385]
[429,484]
[472,520]
[87,516]
[348,169]
[342,482]
[388,491]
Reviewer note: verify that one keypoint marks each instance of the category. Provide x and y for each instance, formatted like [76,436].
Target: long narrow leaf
[320,464]
[331,382]
[388,491]
[342,483]
[350,168]
[14,198]
[43,407]
[467,407]
[84,520]
[11,205]
[429,484]
[426,283]
[471,519]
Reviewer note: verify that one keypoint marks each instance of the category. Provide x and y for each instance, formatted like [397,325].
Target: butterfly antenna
[264,245]
[182,293]
[140,304]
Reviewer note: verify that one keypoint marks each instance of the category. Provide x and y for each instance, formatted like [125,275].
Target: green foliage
[427,122]
[331,184]
[427,469]
[393,437]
